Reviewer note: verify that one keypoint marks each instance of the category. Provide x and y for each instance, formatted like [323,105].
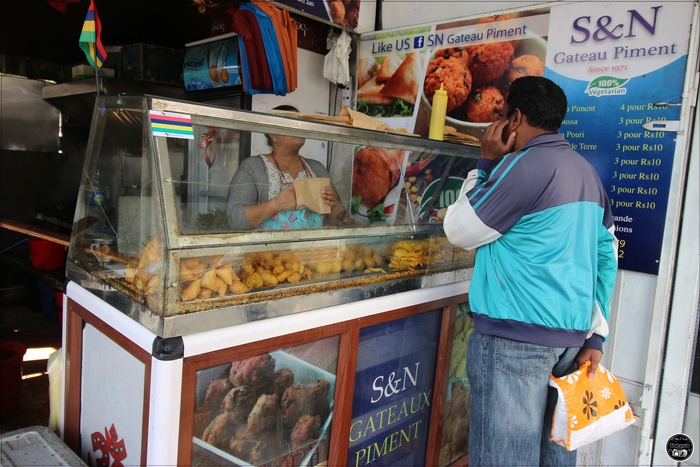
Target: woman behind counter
[262,196]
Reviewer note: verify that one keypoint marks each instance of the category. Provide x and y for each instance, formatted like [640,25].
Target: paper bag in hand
[308,193]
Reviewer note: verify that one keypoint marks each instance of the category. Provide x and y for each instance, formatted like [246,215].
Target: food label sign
[393,394]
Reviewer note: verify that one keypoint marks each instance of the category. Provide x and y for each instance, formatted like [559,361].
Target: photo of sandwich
[389,88]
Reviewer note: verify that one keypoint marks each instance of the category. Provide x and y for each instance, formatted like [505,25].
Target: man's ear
[517,119]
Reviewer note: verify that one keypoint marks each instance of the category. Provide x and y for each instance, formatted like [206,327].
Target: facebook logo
[418,42]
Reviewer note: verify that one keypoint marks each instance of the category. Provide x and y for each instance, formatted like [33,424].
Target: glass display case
[155,237]
[274,408]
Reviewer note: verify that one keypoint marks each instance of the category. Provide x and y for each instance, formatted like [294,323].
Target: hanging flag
[90,40]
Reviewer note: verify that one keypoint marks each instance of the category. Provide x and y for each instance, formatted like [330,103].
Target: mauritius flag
[90,40]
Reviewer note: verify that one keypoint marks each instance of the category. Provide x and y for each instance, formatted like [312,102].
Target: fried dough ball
[524,65]
[485,105]
[455,78]
[459,53]
[489,61]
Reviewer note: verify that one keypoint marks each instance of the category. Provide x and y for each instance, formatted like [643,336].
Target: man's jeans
[511,403]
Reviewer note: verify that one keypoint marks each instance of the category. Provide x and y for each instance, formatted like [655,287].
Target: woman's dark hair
[283,107]
[539,99]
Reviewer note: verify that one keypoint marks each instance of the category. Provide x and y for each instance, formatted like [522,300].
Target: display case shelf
[161,249]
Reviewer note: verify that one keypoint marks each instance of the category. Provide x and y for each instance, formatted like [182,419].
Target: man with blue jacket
[545,269]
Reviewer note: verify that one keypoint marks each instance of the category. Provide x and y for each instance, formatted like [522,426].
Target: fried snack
[215,393]
[257,372]
[146,273]
[284,378]
[267,447]
[485,105]
[242,443]
[375,172]
[227,274]
[489,62]
[299,400]
[409,254]
[524,65]
[263,416]
[239,287]
[453,75]
[220,431]
[308,428]
[269,269]
[202,418]
[209,279]
[238,402]
[458,53]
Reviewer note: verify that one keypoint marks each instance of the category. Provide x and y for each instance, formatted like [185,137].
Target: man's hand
[592,355]
[492,145]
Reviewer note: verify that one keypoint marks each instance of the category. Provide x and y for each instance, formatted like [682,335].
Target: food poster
[622,68]
[344,13]
[392,400]
[399,71]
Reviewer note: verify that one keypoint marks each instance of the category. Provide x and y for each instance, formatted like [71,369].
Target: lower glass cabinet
[270,409]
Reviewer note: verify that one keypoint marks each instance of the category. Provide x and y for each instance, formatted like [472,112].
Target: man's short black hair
[539,99]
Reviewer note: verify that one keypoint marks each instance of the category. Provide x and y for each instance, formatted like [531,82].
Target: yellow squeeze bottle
[437,116]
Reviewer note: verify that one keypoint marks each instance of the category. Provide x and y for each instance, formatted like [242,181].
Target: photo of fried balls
[453,75]
[488,62]
[345,13]
[485,105]
[477,77]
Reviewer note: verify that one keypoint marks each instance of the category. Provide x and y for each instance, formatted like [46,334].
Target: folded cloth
[254,63]
[272,48]
[286,30]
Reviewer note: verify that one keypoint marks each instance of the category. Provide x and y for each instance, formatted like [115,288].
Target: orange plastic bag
[588,409]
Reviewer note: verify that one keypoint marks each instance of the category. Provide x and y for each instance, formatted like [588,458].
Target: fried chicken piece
[299,400]
[202,418]
[268,447]
[216,391]
[308,428]
[239,402]
[257,372]
[284,378]
[375,172]
[220,431]
[263,416]
[485,105]
[455,78]
[489,62]
[243,443]
[318,393]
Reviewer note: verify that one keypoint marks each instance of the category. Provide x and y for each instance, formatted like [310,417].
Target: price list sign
[622,67]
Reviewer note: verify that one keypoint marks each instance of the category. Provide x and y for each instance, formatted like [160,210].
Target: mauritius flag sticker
[171,124]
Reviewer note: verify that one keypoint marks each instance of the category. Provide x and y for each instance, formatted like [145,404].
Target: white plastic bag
[336,65]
